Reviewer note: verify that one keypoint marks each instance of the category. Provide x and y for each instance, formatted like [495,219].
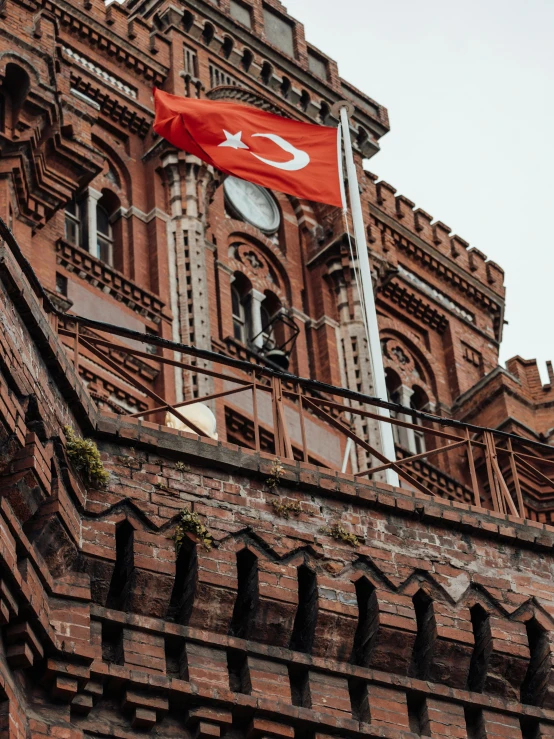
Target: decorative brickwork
[326,604]
[438,623]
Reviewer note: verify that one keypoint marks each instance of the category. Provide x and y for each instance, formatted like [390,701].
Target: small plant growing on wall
[337,531]
[190,521]
[85,458]
[286,509]
[274,479]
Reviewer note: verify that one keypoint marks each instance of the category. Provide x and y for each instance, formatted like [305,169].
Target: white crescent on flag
[300,159]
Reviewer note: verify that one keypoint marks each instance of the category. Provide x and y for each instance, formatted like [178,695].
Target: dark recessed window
[241,13]
[61,284]
[74,220]
[279,31]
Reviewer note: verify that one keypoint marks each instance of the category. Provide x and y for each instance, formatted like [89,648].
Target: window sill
[109,280]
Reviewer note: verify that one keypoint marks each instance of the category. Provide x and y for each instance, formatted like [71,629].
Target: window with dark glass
[239,316]
[74,213]
[419,402]
[61,284]
[104,236]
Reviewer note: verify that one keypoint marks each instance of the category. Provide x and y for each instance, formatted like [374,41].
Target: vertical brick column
[266,678]
[500,726]
[329,693]
[453,646]
[153,574]
[509,658]
[144,651]
[216,590]
[277,603]
[337,618]
[387,707]
[443,720]
[207,665]
[392,632]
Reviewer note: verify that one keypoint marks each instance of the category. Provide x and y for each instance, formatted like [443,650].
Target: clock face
[252,203]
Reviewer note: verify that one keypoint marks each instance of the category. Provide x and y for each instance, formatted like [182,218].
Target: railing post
[76,350]
[495,496]
[255,411]
[283,447]
[515,475]
[302,424]
[474,482]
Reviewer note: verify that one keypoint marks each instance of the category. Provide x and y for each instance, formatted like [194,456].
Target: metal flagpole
[367,300]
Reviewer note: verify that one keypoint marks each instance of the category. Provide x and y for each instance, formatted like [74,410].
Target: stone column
[256,299]
[187,178]
[406,437]
[92,242]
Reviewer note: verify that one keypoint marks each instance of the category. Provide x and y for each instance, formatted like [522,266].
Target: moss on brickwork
[285,509]
[337,531]
[190,521]
[85,458]
[274,479]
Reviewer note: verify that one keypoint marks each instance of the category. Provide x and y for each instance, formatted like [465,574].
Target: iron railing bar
[192,401]
[536,472]
[422,455]
[530,456]
[377,417]
[140,386]
[316,385]
[356,439]
[158,358]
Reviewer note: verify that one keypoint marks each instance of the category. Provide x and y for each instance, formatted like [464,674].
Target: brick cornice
[468,285]
[87,27]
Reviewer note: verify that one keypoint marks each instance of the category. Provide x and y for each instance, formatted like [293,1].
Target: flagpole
[376,358]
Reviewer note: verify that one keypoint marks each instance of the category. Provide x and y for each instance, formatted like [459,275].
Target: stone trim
[110,281]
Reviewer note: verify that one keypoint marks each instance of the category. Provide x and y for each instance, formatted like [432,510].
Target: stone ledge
[334,484]
[287,656]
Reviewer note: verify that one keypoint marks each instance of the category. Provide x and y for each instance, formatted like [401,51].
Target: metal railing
[497,467]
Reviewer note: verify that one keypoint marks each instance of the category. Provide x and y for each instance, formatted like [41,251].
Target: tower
[246,580]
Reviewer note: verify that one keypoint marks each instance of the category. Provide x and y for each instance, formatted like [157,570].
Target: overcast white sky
[470,91]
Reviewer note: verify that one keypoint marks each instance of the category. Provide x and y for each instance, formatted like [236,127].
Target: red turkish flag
[296,158]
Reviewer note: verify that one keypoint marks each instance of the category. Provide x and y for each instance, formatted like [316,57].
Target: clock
[252,203]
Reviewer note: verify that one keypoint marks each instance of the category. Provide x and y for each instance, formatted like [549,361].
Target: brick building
[317,600]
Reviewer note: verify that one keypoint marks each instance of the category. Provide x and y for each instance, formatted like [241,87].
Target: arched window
[2,111]
[240,306]
[266,73]
[247,59]
[75,218]
[419,402]
[239,315]
[13,91]
[104,235]
[91,223]
[393,384]
[271,331]
[208,33]
[227,47]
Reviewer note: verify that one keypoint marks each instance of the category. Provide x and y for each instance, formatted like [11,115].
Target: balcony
[295,418]
[109,280]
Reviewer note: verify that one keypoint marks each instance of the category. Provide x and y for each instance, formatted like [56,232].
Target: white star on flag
[233,140]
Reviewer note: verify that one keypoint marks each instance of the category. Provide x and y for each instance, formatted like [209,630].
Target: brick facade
[439,622]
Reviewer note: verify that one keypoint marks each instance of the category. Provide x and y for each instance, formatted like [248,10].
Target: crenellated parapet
[434,234]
